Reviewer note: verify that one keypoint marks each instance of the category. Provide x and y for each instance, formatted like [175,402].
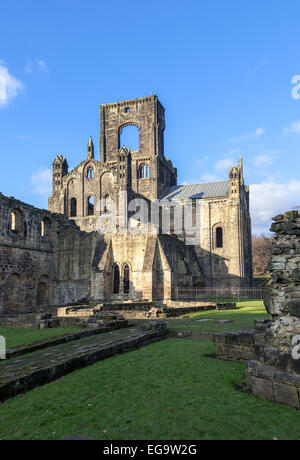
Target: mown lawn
[15,337]
[243,318]
[166,391]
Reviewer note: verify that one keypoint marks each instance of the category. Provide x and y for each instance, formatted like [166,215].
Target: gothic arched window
[116,279]
[219,237]
[73,212]
[126,279]
[143,172]
[90,172]
[91,206]
[45,227]
[17,222]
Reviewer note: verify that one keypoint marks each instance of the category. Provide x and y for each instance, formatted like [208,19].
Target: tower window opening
[129,137]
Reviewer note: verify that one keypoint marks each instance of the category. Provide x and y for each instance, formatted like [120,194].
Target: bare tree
[261,251]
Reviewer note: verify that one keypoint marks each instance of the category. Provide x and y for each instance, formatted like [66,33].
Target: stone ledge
[268,383]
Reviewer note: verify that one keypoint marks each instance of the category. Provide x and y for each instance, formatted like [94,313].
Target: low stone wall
[142,310]
[46,320]
[57,340]
[241,346]
[18,380]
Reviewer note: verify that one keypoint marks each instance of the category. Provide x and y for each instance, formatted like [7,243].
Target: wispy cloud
[265,159]
[41,181]
[292,128]
[243,137]
[209,178]
[42,66]
[201,161]
[10,86]
[35,65]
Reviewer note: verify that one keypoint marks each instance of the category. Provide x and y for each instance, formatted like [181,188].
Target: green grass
[168,390]
[243,318]
[15,337]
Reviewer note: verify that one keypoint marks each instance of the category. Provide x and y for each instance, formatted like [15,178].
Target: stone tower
[151,172]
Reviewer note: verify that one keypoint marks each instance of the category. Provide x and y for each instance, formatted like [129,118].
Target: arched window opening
[12,293]
[129,137]
[143,172]
[219,237]
[43,294]
[46,227]
[91,206]
[73,212]
[116,279]
[126,279]
[90,172]
[17,223]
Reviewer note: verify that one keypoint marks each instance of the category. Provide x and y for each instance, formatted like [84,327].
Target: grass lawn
[15,337]
[243,318]
[166,391]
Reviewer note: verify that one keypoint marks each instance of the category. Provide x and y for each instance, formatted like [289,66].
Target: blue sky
[222,69]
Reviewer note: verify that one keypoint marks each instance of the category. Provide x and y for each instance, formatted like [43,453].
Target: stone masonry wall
[44,258]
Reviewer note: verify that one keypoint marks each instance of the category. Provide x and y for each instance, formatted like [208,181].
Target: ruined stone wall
[26,256]
[273,347]
[44,258]
[284,301]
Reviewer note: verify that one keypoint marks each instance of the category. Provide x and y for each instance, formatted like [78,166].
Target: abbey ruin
[63,256]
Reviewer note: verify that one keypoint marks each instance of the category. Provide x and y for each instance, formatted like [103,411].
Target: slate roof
[197,191]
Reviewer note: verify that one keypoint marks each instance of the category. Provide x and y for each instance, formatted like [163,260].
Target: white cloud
[292,128]
[268,199]
[259,132]
[42,181]
[10,86]
[224,164]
